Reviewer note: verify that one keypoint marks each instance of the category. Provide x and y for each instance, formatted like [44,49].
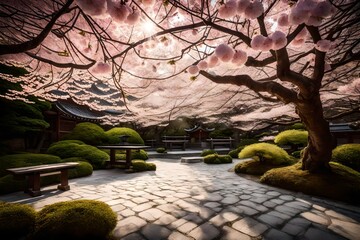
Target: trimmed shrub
[266,152]
[235,152]
[135,154]
[113,135]
[296,154]
[206,152]
[89,133]
[79,219]
[92,154]
[161,150]
[141,165]
[217,159]
[247,141]
[294,138]
[65,142]
[254,167]
[16,220]
[348,155]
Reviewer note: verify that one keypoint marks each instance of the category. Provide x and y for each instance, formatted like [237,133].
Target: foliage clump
[221,133]
[341,183]
[79,219]
[217,159]
[206,152]
[348,155]
[294,138]
[161,150]
[247,141]
[235,152]
[66,149]
[266,152]
[89,133]
[141,165]
[16,220]
[113,135]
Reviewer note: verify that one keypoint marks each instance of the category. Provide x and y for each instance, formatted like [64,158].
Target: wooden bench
[32,175]
[171,141]
[220,141]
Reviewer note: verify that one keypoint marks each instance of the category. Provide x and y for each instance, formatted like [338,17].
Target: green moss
[79,219]
[292,137]
[67,142]
[92,154]
[297,126]
[206,152]
[16,220]
[113,135]
[217,159]
[89,133]
[139,154]
[342,183]
[235,153]
[266,152]
[141,165]
[348,155]
[161,150]
[254,167]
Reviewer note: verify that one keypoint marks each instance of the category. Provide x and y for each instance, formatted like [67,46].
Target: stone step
[191,159]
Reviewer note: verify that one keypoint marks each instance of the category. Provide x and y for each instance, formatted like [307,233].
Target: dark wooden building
[198,133]
[346,132]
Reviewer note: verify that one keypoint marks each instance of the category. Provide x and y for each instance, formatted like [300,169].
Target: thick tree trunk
[317,154]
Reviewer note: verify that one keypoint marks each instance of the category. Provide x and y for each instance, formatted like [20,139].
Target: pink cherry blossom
[313,21]
[279,40]
[302,34]
[133,18]
[228,9]
[267,44]
[101,68]
[193,70]
[298,16]
[322,9]
[224,52]
[298,42]
[283,20]
[213,61]
[239,58]
[92,7]
[148,2]
[323,45]
[118,12]
[241,6]
[202,65]
[254,10]
[257,42]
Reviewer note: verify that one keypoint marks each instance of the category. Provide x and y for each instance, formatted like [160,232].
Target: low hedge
[206,152]
[217,159]
[266,152]
[66,149]
[79,219]
[16,220]
[141,165]
[348,155]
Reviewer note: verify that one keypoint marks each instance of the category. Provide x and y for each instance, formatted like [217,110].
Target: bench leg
[33,187]
[64,182]
[128,158]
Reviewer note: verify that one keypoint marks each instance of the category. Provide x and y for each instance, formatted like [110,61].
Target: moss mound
[266,152]
[348,155]
[292,137]
[254,167]
[343,183]
[8,184]
[206,152]
[89,133]
[217,159]
[93,155]
[16,220]
[65,142]
[113,135]
[161,150]
[141,165]
[80,219]
[235,152]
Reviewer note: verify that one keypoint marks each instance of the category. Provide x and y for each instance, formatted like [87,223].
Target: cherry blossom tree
[297,53]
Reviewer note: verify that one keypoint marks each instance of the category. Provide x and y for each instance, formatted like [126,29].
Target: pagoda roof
[80,112]
[198,128]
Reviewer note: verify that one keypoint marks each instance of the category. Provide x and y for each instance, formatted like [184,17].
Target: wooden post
[128,158]
[64,182]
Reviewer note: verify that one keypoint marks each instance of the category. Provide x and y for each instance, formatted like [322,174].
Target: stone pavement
[199,201]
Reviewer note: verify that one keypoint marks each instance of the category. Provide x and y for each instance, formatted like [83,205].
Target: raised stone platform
[191,159]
